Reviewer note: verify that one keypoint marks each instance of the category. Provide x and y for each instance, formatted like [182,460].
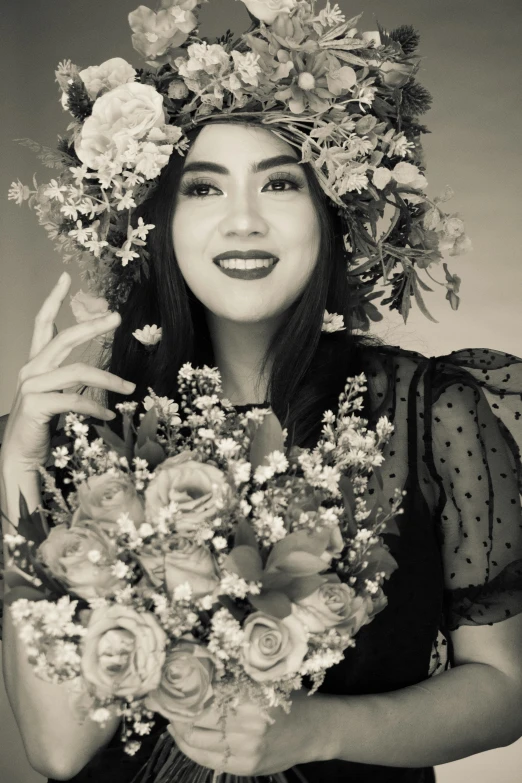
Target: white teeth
[246,263]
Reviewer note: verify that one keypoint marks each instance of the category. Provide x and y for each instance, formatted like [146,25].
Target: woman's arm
[471,708]
[474,707]
[57,745]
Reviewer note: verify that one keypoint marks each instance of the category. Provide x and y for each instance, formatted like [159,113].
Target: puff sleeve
[473,439]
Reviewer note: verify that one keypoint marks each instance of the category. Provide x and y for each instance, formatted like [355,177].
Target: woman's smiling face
[244,192]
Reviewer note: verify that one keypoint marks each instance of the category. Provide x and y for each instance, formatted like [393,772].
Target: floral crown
[348,101]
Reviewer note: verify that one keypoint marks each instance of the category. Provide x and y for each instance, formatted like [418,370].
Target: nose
[243,216]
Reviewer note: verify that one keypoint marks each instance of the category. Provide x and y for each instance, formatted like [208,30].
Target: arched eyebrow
[261,165]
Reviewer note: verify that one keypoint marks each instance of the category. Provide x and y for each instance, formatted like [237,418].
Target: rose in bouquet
[198,559]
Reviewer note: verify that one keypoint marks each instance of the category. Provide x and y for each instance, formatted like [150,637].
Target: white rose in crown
[126,113]
[110,74]
[267,10]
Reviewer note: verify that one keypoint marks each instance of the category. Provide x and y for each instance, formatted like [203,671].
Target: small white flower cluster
[142,474]
[127,408]
[236,587]
[346,438]
[318,474]
[150,335]
[136,721]
[135,236]
[14,541]
[226,636]
[167,409]
[269,527]
[50,636]
[332,322]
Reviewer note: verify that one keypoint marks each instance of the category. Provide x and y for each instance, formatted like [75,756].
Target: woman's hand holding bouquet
[255,743]
[199,568]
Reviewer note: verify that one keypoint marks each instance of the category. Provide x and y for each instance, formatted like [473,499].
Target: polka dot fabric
[474,458]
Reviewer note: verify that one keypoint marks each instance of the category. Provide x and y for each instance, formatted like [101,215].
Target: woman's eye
[197,189]
[280,184]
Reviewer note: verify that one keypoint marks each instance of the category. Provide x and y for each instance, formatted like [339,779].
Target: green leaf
[55,587]
[245,535]
[236,611]
[423,285]
[148,427]
[17,579]
[420,301]
[30,592]
[30,525]
[378,476]
[350,58]
[272,603]
[113,441]
[345,485]
[392,528]
[406,302]
[379,559]
[301,564]
[152,452]
[269,437]
[127,434]
[49,157]
[304,586]
[300,541]
[246,562]
[277,580]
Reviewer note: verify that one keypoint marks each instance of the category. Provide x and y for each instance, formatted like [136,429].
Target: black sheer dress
[454,450]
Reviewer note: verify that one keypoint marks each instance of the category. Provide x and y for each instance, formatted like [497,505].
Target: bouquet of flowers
[199,560]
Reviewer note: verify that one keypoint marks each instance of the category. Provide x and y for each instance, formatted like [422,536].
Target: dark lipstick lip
[244,254]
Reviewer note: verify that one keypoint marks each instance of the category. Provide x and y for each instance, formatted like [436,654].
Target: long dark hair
[309,367]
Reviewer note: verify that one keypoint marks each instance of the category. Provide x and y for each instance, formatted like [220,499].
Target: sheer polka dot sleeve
[474,454]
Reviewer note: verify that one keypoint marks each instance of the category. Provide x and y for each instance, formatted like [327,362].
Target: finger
[205,758]
[44,322]
[57,351]
[201,739]
[240,744]
[246,714]
[75,375]
[210,718]
[42,407]
[243,764]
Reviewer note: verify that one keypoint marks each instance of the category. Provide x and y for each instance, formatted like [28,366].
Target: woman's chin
[247,313]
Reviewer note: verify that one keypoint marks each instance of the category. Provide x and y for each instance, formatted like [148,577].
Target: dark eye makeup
[192,187]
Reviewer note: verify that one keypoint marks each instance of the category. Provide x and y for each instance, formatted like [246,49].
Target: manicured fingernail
[129,386]
[111,415]
[63,277]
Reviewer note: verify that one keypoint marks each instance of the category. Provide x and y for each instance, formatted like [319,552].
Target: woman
[378,717]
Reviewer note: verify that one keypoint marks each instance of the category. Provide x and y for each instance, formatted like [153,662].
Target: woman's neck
[239,349]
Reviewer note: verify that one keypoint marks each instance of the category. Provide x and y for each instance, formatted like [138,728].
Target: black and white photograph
[261,391]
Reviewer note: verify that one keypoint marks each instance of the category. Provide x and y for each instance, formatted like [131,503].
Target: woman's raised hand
[42,380]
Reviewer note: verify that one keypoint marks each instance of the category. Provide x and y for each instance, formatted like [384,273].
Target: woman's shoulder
[376,354]
[390,371]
